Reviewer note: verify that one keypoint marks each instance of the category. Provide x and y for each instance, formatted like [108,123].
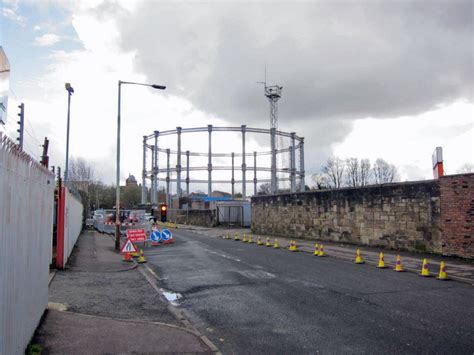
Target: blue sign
[166,235]
[156,236]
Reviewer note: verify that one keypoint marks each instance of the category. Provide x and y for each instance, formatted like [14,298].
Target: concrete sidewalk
[457,269]
[100,304]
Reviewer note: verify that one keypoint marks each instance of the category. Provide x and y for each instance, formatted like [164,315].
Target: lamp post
[70,91]
[117,196]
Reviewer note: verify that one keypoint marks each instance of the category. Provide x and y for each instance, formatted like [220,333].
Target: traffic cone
[268,244]
[245,238]
[250,238]
[293,246]
[236,236]
[259,241]
[227,236]
[424,269]
[141,258]
[275,244]
[316,249]
[321,250]
[358,259]
[442,272]
[127,257]
[398,265]
[381,264]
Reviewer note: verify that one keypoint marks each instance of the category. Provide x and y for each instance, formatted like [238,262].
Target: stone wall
[457,206]
[204,218]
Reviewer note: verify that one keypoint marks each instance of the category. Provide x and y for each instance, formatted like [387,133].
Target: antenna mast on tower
[273,94]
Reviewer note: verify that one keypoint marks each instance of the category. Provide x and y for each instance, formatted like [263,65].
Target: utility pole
[45,157]
[21,122]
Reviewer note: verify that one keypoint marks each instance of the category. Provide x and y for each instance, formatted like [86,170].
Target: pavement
[102,305]
[458,269]
[251,299]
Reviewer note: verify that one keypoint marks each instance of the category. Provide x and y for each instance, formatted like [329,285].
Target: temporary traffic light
[163,212]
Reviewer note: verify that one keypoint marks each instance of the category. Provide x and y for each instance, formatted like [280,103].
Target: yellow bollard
[398,265]
[321,250]
[275,244]
[267,243]
[424,269]
[381,264]
[358,259]
[442,272]
[316,249]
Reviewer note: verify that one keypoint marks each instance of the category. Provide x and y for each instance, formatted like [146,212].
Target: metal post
[255,173]
[232,181]
[144,192]
[155,168]
[152,176]
[167,176]
[187,172]
[302,184]
[244,166]
[273,183]
[21,130]
[117,188]
[209,163]
[293,163]
[66,171]
[178,164]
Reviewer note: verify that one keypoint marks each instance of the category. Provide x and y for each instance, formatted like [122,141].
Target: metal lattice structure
[156,173]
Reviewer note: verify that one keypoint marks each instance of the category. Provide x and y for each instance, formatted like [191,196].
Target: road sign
[128,247]
[155,236]
[166,236]
[136,235]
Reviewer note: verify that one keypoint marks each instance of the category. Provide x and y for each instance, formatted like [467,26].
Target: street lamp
[117,196]
[70,91]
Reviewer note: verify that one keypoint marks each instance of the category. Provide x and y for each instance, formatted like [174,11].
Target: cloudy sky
[367,79]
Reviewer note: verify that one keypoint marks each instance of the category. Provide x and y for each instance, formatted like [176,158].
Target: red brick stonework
[457,214]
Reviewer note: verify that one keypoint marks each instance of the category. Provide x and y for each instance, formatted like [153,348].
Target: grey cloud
[337,61]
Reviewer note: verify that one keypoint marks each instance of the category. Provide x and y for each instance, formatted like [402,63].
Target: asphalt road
[253,299]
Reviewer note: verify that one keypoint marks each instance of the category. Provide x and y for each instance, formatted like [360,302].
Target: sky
[367,79]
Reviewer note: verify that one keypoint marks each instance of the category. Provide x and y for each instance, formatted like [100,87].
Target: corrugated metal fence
[26,216]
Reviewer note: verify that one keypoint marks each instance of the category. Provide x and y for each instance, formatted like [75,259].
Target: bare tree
[321,181]
[365,172]
[80,173]
[264,189]
[334,172]
[384,172]
[352,172]
[466,168]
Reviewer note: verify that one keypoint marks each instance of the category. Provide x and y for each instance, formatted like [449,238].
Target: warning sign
[128,247]
[136,235]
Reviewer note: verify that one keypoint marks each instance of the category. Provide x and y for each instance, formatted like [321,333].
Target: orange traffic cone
[442,272]
[398,265]
[127,257]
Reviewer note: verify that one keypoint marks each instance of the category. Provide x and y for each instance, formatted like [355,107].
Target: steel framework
[153,171]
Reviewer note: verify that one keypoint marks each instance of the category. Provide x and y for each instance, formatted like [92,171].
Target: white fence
[72,223]
[26,220]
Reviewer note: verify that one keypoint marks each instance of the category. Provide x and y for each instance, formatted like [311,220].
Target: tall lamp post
[117,196]
[70,91]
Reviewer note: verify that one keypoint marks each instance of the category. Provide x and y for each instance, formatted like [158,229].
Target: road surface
[253,299]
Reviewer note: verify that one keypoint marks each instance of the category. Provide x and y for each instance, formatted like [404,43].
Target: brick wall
[457,207]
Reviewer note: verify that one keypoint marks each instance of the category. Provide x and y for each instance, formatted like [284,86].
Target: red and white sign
[128,247]
[136,235]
